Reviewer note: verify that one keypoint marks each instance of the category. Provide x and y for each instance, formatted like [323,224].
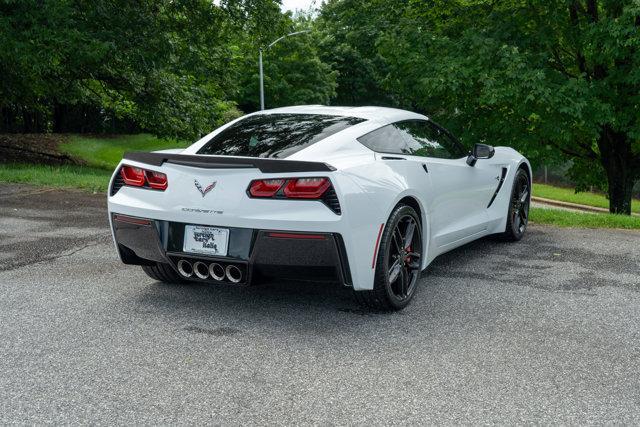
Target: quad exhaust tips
[215,271]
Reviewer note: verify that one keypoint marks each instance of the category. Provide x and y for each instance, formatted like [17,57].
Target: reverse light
[138,177]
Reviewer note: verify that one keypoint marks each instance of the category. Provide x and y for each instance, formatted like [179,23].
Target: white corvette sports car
[364,196]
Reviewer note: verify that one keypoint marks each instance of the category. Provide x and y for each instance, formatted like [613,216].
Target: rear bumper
[256,252]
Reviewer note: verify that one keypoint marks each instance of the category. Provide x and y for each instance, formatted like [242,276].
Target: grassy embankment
[562,218]
[583,198]
[101,155]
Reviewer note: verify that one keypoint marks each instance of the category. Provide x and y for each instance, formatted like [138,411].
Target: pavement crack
[17,265]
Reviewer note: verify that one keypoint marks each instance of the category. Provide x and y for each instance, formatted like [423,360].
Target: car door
[459,193]
[393,150]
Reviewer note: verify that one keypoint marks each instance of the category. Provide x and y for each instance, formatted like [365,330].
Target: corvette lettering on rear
[205,211]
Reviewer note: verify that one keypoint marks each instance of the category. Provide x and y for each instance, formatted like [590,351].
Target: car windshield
[275,135]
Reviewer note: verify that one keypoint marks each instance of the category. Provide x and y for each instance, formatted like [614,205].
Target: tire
[403,263]
[162,273]
[518,210]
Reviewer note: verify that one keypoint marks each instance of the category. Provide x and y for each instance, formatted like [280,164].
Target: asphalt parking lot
[544,331]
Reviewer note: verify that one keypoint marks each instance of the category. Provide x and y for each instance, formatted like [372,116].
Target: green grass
[562,218]
[83,177]
[569,195]
[106,152]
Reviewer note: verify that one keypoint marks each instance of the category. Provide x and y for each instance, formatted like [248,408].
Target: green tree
[348,32]
[546,77]
[112,65]
[294,73]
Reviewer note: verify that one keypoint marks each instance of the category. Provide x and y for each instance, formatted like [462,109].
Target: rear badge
[205,190]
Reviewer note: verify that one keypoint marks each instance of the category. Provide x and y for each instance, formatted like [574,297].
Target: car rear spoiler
[224,162]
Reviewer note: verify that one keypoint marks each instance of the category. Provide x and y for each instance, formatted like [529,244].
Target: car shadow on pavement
[294,304]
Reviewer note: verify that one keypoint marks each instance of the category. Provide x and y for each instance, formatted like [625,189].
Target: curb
[575,206]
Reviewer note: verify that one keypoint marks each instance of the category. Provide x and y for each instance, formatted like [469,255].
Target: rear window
[275,135]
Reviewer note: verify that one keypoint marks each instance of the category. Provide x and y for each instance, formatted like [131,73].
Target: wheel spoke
[404,282]
[408,237]
[397,241]
[394,270]
[517,221]
[523,216]
[524,195]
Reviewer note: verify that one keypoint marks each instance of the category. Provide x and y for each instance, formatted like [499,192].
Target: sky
[292,5]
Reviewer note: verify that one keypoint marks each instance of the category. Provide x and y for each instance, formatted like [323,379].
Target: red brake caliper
[407,259]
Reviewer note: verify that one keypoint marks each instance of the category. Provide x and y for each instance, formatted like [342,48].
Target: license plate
[206,240]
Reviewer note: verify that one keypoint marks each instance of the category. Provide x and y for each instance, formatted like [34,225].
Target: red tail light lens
[156,180]
[265,187]
[310,188]
[138,177]
[306,188]
[132,175]
[290,188]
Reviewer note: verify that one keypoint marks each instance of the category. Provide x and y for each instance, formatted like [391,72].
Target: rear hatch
[220,184]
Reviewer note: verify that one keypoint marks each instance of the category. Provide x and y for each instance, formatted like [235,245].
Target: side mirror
[480,151]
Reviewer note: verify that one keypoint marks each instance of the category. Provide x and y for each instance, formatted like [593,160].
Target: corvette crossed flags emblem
[205,190]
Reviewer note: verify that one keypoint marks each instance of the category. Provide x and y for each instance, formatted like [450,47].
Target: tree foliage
[171,67]
[556,80]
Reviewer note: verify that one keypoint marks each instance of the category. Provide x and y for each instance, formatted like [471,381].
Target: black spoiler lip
[224,162]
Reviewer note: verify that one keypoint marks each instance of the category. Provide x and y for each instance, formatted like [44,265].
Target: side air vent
[331,200]
[118,182]
[502,178]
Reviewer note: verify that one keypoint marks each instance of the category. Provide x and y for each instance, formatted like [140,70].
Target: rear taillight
[265,187]
[156,180]
[132,175]
[306,188]
[138,177]
[289,188]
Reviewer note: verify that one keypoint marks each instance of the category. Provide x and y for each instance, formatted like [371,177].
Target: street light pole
[261,82]
[260,63]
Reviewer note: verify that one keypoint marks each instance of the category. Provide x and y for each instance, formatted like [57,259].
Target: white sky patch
[304,5]
[292,5]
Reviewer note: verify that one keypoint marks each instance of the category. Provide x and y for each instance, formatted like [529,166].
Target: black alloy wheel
[518,216]
[403,261]
[398,263]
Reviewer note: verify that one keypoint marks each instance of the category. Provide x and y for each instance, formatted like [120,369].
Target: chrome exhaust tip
[201,270]
[185,268]
[233,273]
[216,271]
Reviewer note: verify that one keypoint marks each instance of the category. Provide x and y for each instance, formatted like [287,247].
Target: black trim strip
[223,162]
[504,175]
[344,260]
